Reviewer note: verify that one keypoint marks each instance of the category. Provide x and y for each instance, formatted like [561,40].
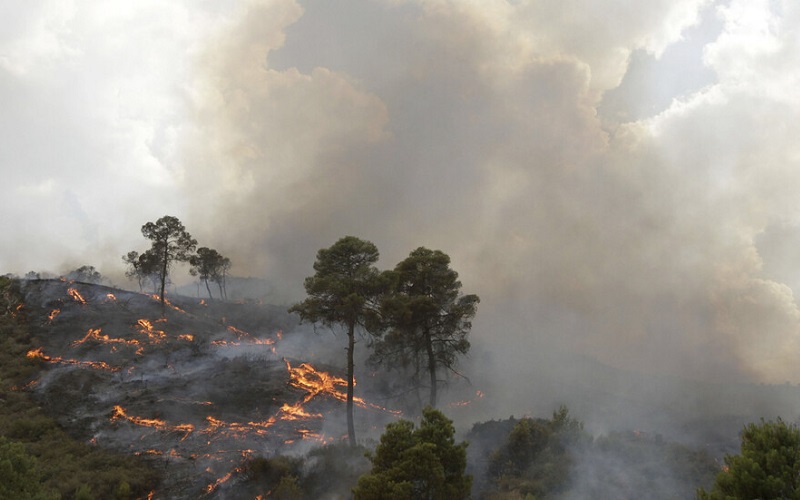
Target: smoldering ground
[187,386]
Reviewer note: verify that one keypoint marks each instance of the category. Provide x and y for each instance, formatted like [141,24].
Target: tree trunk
[351,343]
[164,272]
[209,289]
[431,366]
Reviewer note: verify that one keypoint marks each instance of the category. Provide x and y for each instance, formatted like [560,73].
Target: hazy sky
[616,177]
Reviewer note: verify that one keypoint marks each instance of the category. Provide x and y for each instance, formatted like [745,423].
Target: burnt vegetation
[52,462]
[187,404]
[109,393]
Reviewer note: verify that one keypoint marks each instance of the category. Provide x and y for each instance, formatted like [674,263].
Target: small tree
[220,277]
[171,242]
[143,268]
[86,274]
[19,473]
[428,318]
[207,265]
[536,456]
[768,465]
[344,292]
[414,463]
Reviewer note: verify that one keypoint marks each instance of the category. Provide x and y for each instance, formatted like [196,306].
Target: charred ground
[199,387]
[234,400]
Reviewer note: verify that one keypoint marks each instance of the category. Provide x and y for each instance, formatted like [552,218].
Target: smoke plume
[474,128]
[612,179]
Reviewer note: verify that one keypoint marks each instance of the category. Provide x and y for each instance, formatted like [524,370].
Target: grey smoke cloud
[592,207]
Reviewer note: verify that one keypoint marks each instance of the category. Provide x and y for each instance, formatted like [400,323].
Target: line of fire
[153,356]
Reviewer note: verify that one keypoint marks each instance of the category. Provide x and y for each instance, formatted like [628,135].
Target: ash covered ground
[198,386]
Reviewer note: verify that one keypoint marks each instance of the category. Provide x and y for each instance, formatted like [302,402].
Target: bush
[768,465]
[417,463]
[20,476]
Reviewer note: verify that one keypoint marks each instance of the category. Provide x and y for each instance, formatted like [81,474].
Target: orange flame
[18,388]
[479,394]
[296,412]
[75,294]
[120,414]
[211,487]
[94,334]
[245,337]
[146,328]
[316,382]
[38,354]
[167,303]
[149,452]
[17,310]
[53,314]
[237,429]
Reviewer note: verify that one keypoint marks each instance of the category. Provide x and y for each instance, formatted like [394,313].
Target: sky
[615,178]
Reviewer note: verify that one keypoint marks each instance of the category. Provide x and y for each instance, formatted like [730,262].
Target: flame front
[146,328]
[100,365]
[120,414]
[479,394]
[75,294]
[168,303]
[94,334]
[243,336]
[211,487]
[316,382]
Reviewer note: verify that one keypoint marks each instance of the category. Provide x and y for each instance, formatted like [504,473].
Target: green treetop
[417,463]
[344,292]
[768,465]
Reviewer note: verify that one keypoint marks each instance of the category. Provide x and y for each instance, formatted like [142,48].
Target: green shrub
[84,492]
[20,476]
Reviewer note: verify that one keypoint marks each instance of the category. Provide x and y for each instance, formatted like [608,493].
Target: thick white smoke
[613,178]
[473,127]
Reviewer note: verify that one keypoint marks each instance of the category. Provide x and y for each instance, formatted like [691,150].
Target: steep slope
[199,386]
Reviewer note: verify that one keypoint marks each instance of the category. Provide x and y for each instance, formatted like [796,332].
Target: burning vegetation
[204,403]
[224,405]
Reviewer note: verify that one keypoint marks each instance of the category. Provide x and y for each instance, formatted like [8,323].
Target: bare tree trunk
[208,288]
[351,343]
[431,366]
[164,273]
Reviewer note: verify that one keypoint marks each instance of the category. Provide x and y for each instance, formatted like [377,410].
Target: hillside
[227,398]
[199,387]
